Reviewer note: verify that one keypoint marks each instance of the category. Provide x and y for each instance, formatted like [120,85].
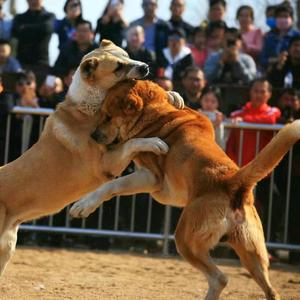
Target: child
[209,102]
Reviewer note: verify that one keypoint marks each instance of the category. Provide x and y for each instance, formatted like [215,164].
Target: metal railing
[123,219]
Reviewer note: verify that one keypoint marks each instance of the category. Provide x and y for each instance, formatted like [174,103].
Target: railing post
[167,226]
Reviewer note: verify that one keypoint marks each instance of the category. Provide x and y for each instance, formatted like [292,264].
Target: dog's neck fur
[87,98]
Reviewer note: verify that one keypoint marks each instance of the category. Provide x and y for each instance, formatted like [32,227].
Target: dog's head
[100,70]
[124,106]
[109,64]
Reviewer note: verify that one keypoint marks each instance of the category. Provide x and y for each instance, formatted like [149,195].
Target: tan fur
[195,174]
[66,162]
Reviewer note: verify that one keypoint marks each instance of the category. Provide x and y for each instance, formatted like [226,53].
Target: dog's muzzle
[144,70]
[138,71]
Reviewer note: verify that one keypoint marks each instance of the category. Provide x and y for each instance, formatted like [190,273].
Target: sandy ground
[36,273]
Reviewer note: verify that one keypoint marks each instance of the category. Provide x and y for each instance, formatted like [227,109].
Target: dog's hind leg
[248,242]
[140,181]
[194,238]
[8,242]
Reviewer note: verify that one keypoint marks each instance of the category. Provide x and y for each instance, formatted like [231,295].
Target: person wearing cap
[156,29]
[177,8]
[230,65]
[65,28]
[175,58]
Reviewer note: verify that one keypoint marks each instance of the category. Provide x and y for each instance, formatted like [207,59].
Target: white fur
[88,97]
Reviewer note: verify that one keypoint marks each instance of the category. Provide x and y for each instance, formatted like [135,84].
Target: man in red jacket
[255,111]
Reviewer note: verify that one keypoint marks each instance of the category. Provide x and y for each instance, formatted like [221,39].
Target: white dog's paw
[85,206]
[82,209]
[176,100]
[157,145]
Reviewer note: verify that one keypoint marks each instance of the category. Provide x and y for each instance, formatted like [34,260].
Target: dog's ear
[89,66]
[131,105]
[106,43]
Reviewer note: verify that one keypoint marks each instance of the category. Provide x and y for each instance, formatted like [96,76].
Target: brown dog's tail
[245,179]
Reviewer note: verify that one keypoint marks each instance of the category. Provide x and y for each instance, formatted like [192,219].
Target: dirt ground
[36,273]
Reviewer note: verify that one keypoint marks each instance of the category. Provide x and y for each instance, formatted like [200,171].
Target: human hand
[282,58]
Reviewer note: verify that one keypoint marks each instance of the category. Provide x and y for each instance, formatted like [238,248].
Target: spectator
[252,37]
[199,46]
[136,50]
[33,30]
[193,83]
[270,16]
[6,103]
[215,33]
[286,72]
[176,57]
[289,105]
[164,82]
[177,8]
[210,100]
[230,66]
[216,13]
[156,30]
[278,39]
[112,23]
[24,128]
[255,111]
[7,62]
[74,50]
[65,28]
[5,24]
[51,91]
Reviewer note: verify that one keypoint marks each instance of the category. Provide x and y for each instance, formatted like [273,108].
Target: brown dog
[66,162]
[195,174]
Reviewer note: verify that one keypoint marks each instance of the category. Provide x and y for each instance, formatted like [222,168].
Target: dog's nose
[143,69]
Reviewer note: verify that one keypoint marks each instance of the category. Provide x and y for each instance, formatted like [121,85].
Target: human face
[216,39]
[294,51]
[149,7]
[200,40]
[194,82]
[5,51]
[288,100]
[135,37]
[284,21]
[245,18]
[73,9]
[84,35]
[216,12]
[175,44]
[209,102]
[260,93]
[24,85]
[177,8]
[35,4]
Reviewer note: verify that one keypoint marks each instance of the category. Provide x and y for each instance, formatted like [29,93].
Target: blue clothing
[11,66]
[5,29]
[240,72]
[65,31]
[273,44]
[156,36]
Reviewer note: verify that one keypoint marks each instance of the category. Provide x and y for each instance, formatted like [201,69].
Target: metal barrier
[125,218]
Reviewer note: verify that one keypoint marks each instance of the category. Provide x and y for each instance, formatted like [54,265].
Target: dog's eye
[119,67]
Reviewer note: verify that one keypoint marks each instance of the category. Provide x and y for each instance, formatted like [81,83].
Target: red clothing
[265,114]
[199,56]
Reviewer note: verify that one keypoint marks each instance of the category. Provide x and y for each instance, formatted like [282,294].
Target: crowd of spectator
[198,61]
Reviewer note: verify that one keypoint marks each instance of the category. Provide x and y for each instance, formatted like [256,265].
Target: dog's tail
[245,179]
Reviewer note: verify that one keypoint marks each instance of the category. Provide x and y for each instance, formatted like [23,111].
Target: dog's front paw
[157,145]
[83,208]
[175,99]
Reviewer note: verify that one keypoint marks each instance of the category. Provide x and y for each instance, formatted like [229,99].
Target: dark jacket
[65,31]
[187,28]
[70,57]
[113,31]
[145,56]
[33,30]
[277,77]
